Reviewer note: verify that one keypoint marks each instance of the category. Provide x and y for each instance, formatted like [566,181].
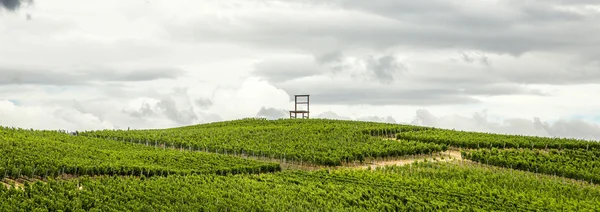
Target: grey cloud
[410,91]
[476,16]
[385,68]
[506,27]
[203,103]
[428,85]
[178,107]
[535,127]
[13,5]
[387,119]
[145,74]
[494,89]
[272,113]
[209,117]
[573,128]
[284,69]
[488,28]
[329,57]
[175,106]
[83,76]
[181,116]
[475,58]
[383,97]
[332,115]
[145,111]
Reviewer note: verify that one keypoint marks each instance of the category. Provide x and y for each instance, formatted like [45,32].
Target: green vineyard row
[26,153]
[323,142]
[476,140]
[420,187]
[576,164]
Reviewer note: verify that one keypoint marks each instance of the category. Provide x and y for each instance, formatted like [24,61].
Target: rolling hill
[295,165]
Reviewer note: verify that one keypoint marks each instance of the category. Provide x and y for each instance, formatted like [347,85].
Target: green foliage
[421,187]
[476,140]
[135,171]
[318,141]
[576,164]
[26,153]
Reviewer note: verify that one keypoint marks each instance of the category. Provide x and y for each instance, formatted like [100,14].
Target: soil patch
[447,156]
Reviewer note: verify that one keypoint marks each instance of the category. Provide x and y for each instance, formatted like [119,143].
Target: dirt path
[20,182]
[450,155]
[5,184]
[17,183]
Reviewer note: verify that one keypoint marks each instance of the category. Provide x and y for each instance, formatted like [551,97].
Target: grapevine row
[577,164]
[419,187]
[476,140]
[324,142]
[25,153]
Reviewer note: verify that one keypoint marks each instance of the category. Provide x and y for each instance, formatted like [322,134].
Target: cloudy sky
[508,66]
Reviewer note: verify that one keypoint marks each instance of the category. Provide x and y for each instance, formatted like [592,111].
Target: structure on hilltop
[305,113]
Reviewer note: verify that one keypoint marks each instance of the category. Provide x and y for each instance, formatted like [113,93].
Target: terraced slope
[43,153]
[576,164]
[476,140]
[317,141]
[420,187]
[154,170]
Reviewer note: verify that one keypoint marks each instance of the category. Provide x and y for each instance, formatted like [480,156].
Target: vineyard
[476,140]
[238,166]
[323,142]
[420,187]
[50,154]
[577,164]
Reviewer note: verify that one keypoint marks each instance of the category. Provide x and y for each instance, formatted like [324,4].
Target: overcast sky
[508,66]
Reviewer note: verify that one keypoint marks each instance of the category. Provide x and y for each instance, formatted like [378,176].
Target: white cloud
[372,118]
[272,113]
[479,122]
[48,118]
[248,98]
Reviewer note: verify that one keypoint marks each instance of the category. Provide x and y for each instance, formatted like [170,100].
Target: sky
[504,66]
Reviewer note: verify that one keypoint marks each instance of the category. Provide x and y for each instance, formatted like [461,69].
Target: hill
[243,165]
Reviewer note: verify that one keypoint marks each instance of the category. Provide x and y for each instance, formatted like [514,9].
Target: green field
[237,166]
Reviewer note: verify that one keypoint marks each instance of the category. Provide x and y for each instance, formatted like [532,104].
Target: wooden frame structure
[305,113]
